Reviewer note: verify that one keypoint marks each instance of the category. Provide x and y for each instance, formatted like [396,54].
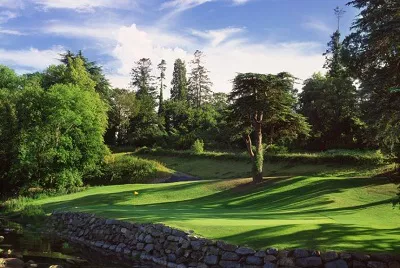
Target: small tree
[260,102]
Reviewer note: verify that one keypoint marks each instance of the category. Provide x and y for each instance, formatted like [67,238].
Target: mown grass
[316,206]
[337,213]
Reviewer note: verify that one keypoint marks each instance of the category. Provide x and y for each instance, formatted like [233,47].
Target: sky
[236,36]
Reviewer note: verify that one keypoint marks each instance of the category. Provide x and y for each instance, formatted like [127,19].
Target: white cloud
[85,5]
[240,2]
[10,32]
[6,16]
[11,4]
[218,36]
[32,58]
[318,26]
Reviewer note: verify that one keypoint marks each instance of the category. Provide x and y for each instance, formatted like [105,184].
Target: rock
[260,254]
[358,264]
[11,263]
[376,264]
[269,265]
[253,260]
[394,264]
[345,256]
[316,253]
[272,251]
[329,256]
[230,256]
[139,246]
[226,247]
[360,256]
[300,253]
[1,238]
[229,264]
[381,257]
[148,239]
[285,261]
[269,258]
[149,247]
[245,251]
[55,266]
[309,262]
[336,264]
[283,254]
[197,245]
[211,259]
[171,257]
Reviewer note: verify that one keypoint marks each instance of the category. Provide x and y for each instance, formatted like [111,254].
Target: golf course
[328,209]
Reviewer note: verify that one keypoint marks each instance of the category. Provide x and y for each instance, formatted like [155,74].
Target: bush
[275,149]
[198,147]
[22,208]
[127,169]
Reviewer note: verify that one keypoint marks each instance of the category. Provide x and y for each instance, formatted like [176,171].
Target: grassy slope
[320,212]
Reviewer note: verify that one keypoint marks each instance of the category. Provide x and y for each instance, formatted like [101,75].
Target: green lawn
[316,212]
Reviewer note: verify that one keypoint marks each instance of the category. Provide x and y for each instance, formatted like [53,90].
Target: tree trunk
[258,160]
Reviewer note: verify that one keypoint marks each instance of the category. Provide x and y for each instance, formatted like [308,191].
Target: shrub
[127,169]
[275,149]
[198,147]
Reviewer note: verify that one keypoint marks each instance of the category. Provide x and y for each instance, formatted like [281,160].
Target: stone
[211,260]
[283,254]
[226,247]
[196,245]
[376,264]
[178,233]
[381,257]
[148,239]
[345,256]
[309,262]
[230,256]
[360,256]
[336,264]
[171,257]
[285,261]
[269,258]
[272,251]
[329,256]
[253,260]
[11,263]
[269,265]
[245,251]
[99,244]
[300,253]
[229,264]
[260,254]
[358,264]
[149,247]
[394,264]
[55,266]
[124,230]
[316,253]
[140,246]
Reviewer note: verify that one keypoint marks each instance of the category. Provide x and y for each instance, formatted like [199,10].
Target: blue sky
[266,36]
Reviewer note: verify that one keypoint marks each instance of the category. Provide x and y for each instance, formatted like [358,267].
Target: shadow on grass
[283,199]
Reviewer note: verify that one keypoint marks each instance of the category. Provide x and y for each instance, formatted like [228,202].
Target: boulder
[230,256]
[285,261]
[211,260]
[300,253]
[336,264]
[245,251]
[226,247]
[309,262]
[253,260]
[329,256]
[269,258]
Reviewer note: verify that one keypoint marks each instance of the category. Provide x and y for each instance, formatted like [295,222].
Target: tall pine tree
[162,67]
[179,90]
[199,82]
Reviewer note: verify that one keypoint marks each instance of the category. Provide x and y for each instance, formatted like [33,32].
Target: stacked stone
[169,247]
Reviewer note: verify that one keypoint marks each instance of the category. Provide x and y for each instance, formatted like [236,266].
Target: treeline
[55,124]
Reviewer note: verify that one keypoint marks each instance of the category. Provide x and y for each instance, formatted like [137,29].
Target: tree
[199,82]
[8,78]
[142,79]
[161,67]
[262,101]
[179,90]
[372,52]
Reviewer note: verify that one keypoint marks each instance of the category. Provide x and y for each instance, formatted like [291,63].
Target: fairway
[337,213]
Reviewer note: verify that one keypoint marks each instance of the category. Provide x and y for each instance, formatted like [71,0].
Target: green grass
[309,212]
[316,206]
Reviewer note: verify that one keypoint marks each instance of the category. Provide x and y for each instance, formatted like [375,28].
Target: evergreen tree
[179,90]
[143,80]
[161,67]
[199,82]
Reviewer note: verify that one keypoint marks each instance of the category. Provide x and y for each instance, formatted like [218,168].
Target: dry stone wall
[168,247]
